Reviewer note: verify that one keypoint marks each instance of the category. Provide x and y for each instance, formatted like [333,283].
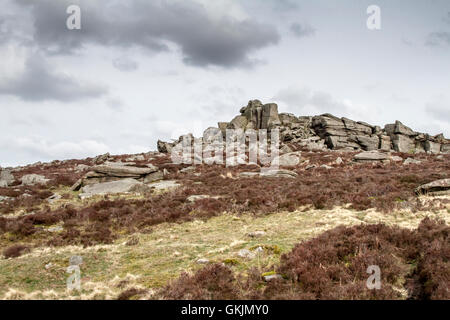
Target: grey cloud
[302,30]
[438,38]
[125,64]
[203,41]
[39,83]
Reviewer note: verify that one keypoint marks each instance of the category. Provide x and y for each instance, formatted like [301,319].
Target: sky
[142,70]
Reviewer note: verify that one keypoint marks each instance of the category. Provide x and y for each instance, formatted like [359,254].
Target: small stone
[55,229]
[411,161]
[256,234]
[247,254]
[339,160]
[326,167]
[202,261]
[272,276]
[48,265]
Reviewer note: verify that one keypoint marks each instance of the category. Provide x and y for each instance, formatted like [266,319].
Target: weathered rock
[403,143]
[81,167]
[123,171]
[101,158]
[246,254]
[272,277]
[445,148]
[411,161]
[438,187]
[368,143]
[368,156]
[32,179]
[256,234]
[53,198]
[202,261]
[154,176]
[6,178]
[288,159]
[196,197]
[432,147]
[385,143]
[164,185]
[400,128]
[120,186]
[278,173]
[396,158]
[238,122]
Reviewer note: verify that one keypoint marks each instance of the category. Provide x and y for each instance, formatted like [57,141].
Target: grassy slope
[172,248]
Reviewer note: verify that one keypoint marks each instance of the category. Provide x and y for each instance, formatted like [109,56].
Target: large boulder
[120,170]
[403,143]
[120,186]
[369,156]
[438,187]
[32,179]
[290,159]
[432,147]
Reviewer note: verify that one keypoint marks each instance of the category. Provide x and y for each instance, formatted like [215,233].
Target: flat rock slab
[121,170]
[371,156]
[438,187]
[120,186]
[32,179]
[164,185]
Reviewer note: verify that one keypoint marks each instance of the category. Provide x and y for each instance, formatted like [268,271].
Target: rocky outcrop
[438,187]
[327,131]
[116,171]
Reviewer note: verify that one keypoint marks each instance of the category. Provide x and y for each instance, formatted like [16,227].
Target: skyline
[145,71]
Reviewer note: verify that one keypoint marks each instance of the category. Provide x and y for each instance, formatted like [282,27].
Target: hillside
[347,195]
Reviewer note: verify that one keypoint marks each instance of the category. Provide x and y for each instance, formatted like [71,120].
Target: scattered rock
[369,156]
[164,185]
[326,167]
[101,158]
[278,173]
[396,158]
[188,169]
[338,160]
[411,161]
[288,159]
[48,266]
[246,254]
[55,229]
[81,167]
[32,179]
[272,277]
[438,187]
[120,186]
[256,234]
[202,261]
[54,198]
[2,198]
[194,198]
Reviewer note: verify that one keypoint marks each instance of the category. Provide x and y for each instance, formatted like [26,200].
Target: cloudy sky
[143,70]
